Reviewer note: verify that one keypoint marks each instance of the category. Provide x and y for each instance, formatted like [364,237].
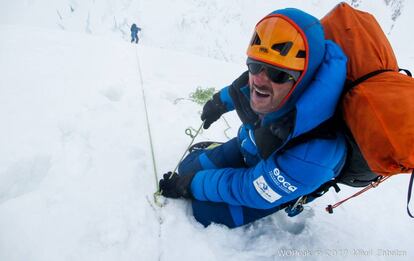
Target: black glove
[212,110]
[173,185]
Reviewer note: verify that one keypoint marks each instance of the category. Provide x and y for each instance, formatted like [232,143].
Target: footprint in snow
[113,93]
[293,225]
[22,177]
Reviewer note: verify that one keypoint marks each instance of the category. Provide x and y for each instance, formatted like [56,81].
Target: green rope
[154,164]
[188,131]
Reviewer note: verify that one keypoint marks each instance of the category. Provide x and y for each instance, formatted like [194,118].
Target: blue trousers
[134,38]
[227,155]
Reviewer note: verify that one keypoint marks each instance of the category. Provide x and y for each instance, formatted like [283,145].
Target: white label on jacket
[265,191]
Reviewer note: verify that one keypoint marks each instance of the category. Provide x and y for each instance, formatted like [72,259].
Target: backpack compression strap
[410,187]
[406,72]
[351,84]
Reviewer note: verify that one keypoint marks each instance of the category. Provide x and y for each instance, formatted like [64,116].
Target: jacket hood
[312,33]
[316,93]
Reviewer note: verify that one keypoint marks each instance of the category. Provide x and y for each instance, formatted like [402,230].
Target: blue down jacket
[282,175]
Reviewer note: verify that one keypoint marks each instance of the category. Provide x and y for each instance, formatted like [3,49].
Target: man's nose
[261,78]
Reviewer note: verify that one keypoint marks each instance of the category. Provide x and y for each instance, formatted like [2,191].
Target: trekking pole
[158,193]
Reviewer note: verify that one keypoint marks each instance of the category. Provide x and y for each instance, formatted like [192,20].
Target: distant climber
[134,33]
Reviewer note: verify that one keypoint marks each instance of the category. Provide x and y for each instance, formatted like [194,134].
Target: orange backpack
[378,106]
[379,111]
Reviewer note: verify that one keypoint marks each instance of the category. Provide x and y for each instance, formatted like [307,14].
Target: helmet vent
[301,54]
[256,40]
[282,48]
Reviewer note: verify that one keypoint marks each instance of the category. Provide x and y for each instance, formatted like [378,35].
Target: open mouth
[261,93]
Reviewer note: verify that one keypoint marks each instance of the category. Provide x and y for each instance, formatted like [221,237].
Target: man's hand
[212,110]
[173,185]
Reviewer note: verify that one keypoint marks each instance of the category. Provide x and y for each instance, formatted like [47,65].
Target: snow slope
[76,174]
[213,28]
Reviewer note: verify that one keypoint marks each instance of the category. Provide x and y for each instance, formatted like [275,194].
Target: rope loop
[189,132]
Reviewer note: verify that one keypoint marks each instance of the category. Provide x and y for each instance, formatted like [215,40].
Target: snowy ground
[76,173]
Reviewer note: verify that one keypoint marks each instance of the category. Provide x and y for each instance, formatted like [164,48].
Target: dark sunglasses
[275,75]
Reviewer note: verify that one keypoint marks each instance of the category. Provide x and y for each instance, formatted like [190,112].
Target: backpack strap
[410,187]
[375,184]
[325,130]
[406,72]
[351,84]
